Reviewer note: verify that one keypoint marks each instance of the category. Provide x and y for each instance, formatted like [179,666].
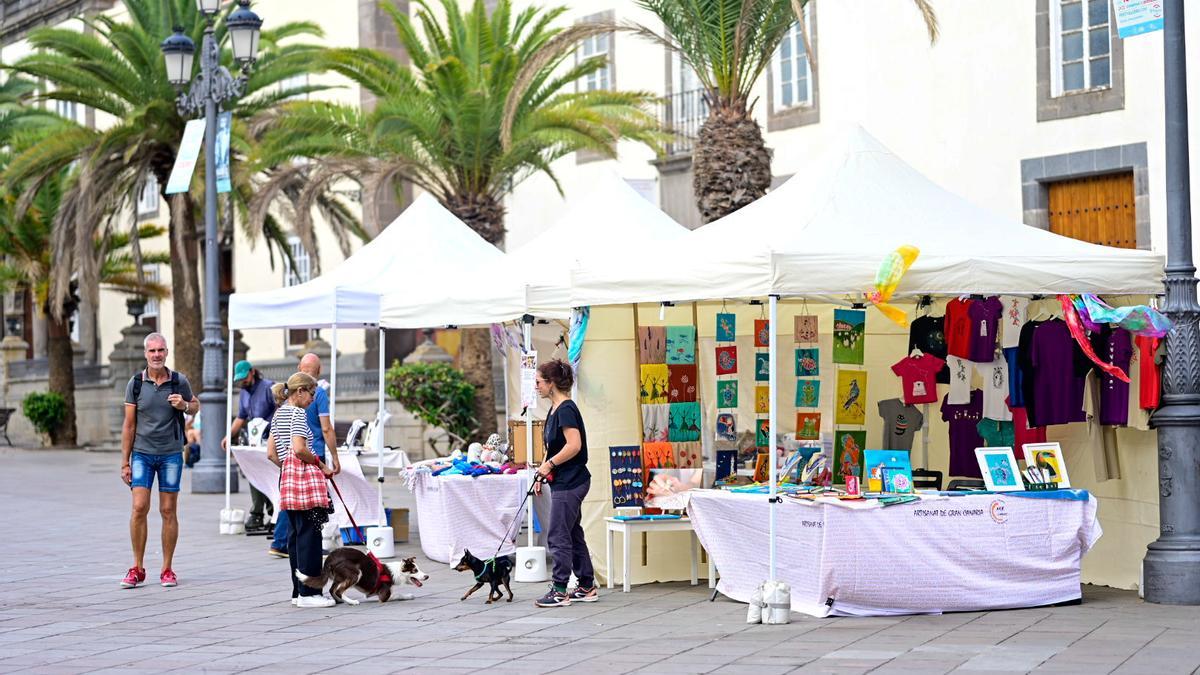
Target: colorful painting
[849,335]
[655,383]
[762,467]
[726,360]
[762,400]
[808,426]
[762,434]
[726,327]
[762,333]
[808,362]
[848,453]
[685,422]
[762,367]
[808,393]
[652,344]
[1048,458]
[727,393]
[687,455]
[806,328]
[850,405]
[681,344]
[727,427]
[999,469]
[683,386]
[887,471]
[655,419]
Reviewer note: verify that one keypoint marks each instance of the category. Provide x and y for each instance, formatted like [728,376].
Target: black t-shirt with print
[573,472]
[928,333]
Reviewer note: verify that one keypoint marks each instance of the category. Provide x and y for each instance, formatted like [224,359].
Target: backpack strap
[179,423]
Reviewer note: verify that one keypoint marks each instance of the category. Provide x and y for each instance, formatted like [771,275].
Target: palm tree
[488,101]
[117,69]
[728,43]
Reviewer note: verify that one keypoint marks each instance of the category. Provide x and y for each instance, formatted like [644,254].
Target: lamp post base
[210,479]
[1171,571]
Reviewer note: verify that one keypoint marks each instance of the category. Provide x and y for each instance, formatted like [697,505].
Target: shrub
[45,411]
[438,394]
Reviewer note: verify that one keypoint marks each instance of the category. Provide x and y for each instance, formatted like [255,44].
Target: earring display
[627,477]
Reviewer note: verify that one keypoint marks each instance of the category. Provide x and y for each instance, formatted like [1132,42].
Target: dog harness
[486,563]
[383,576]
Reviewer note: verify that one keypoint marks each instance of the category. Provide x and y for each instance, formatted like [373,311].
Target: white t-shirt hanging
[995,389]
[1011,319]
[960,380]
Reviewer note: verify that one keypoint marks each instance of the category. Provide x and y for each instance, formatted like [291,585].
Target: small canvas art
[762,333]
[762,367]
[762,468]
[808,362]
[726,327]
[687,455]
[808,393]
[683,385]
[726,461]
[762,434]
[849,336]
[655,418]
[806,328]
[999,469]
[726,360]
[762,400]
[685,422]
[1047,458]
[887,471]
[655,383]
[726,427]
[847,453]
[681,344]
[808,426]
[652,344]
[850,404]
[727,393]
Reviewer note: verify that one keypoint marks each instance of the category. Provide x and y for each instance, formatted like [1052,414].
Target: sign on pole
[529,394]
[224,123]
[185,160]
[1135,17]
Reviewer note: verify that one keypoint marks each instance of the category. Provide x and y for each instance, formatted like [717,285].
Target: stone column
[12,348]
[127,357]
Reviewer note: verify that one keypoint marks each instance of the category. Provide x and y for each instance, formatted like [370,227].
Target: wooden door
[1096,209]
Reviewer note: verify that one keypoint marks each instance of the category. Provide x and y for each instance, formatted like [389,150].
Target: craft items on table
[808,426]
[887,278]
[681,345]
[928,335]
[999,469]
[762,367]
[995,389]
[1149,387]
[627,475]
[684,424]
[727,360]
[655,420]
[850,405]
[726,327]
[849,336]
[762,332]
[806,329]
[1013,317]
[901,422]
[727,393]
[985,323]
[918,376]
[1114,345]
[808,362]
[726,428]
[655,383]
[964,434]
[683,385]
[848,453]
[762,400]
[652,344]
[887,471]
[958,328]
[1047,458]
[808,393]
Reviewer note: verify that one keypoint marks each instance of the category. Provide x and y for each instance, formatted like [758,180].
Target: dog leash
[537,478]
[341,499]
[382,572]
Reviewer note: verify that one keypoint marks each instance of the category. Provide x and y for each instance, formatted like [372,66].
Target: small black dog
[496,572]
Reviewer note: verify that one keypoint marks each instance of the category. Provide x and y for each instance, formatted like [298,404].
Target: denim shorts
[168,468]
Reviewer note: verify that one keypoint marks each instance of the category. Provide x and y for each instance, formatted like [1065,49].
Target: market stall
[358,492]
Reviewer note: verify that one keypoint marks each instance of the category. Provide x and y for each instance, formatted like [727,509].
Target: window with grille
[295,272]
[793,74]
[596,47]
[147,198]
[150,313]
[1081,45]
[1095,209]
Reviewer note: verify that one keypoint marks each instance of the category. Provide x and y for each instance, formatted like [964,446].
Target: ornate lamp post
[213,86]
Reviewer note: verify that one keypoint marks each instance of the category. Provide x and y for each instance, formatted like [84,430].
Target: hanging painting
[850,405]
[727,427]
[806,328]
[681,344]
[808,362]
[762,367]
[808,426]
[685,422]
[762,333]
[652,344]
[682,383]
[654,422]
[726,327]
[808,393]
[727,393]
[848,454]
[655,382]
[849,335]
[762,400]
[726,360]
[762,434]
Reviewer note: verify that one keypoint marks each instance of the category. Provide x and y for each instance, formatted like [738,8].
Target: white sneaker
[314,601]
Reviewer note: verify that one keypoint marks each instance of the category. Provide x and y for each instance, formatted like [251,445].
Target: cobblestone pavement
[61,610]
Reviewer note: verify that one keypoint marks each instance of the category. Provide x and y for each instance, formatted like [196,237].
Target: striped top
[289,421]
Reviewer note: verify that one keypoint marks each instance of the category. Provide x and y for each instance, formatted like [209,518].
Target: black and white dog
[349,567]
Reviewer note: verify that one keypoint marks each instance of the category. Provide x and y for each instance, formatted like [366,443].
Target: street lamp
[212,87]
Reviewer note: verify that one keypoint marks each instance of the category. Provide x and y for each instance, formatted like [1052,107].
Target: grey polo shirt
[157,433]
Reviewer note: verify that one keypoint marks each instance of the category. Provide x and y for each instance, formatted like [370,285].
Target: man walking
[323,437]
[152,437]
[255,401]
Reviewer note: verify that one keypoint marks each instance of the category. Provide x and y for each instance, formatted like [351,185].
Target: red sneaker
[133,577]
[167,578]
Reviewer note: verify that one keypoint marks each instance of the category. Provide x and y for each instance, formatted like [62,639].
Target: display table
[392,459]
[361,494]
[968,553]
[629,528]
[457,513]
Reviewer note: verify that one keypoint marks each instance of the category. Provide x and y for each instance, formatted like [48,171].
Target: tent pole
[379,431]
[228,421]
[333,380]
[527,331]
[772,384]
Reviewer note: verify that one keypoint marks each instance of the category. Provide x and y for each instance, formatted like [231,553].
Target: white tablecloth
[966,553]
[456,513]
[392,459]
[361,494]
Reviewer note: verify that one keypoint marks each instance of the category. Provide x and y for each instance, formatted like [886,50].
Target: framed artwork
[684,424]
[999,469]
[726,327]
[727,393]
[682,383]
[848,453]
[887,471]
[762,434]
[808,426]
[808,362]
[762,399]
[655,383]
[806,328]
[808,393]
[681,344]
[762,470]
[652,344]
[726,360]
[849,335]
[762,367]
[727,427]
[762,333]
[850,403]
[1047,457]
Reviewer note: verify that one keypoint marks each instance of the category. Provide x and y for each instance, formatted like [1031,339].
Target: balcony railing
[682,114]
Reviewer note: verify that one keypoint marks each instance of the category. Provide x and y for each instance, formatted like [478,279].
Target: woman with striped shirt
[291,435]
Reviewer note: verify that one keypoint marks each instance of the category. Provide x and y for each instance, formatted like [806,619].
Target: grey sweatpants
[565,538]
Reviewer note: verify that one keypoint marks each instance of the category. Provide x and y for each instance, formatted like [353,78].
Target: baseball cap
[241,369]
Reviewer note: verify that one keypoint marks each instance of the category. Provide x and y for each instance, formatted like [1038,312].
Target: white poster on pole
[1135,17]
[224,130]
[185,160]
[528,387]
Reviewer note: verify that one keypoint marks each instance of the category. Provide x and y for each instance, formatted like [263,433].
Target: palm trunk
[731,165]
[188,354]
[62,376]
[485,215]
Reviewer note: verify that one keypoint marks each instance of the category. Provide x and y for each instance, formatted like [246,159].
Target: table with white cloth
[457,513]
[392,459]
[361,494]
[962,553]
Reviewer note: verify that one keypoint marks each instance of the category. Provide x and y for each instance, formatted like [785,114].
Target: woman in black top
[566,467]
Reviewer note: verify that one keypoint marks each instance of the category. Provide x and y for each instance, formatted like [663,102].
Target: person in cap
[255,401]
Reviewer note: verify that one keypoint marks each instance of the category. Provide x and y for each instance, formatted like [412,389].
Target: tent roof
[827,229]
[415,250]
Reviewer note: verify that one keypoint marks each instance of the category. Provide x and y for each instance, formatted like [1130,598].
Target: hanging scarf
[576,336]
[888,278]
[1137,319]
[1076,326]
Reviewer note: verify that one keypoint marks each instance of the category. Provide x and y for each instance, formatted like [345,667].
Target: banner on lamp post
[1135,17]
[224,125]
[185,159]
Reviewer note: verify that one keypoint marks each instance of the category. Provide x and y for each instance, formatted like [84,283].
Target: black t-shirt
[928,333]
[573,472]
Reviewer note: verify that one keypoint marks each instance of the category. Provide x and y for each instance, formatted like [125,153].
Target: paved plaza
[61,611]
